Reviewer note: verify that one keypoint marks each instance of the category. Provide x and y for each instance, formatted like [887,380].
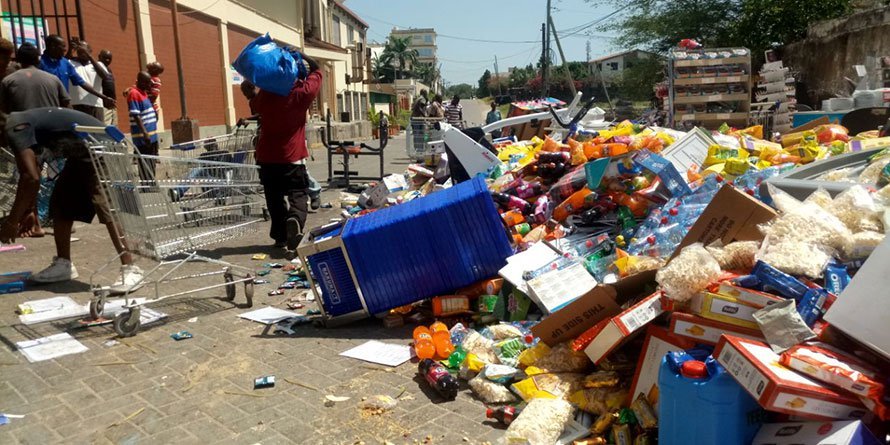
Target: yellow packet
[474,363]
[718,154]
[598,400]
[758,146]
[548,386]
[736,166]
[531,355]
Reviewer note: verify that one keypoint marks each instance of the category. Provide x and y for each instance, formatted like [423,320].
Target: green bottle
[457,358]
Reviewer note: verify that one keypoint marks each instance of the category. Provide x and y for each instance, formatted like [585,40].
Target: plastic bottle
[513,217]
[441,340]
[439,378]
[458,334]
[574,203]
[457,358]
[423,343]
[505,414]
[512,202]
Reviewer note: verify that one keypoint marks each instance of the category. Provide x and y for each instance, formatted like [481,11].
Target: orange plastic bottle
[442,340]
[423,343]
[573,204]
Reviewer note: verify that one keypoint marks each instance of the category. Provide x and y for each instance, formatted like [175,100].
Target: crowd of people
[44,95]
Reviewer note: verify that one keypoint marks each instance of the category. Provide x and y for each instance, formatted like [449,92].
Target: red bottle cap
[489,413]
[694,369]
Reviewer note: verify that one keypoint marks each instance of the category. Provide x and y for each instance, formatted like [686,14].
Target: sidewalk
[151,389]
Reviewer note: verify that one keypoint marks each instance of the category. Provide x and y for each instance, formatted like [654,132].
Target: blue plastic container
[427,247]
[700,403]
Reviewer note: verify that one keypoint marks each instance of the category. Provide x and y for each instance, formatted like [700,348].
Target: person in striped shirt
[143,124]
[454,112]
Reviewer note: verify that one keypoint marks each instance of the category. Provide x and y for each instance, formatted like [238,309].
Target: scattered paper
[381,353]
[51,309]
[193,319]
[336,398]
[555,289]
[537,256]
[47,348]
[268,315]
[11,248]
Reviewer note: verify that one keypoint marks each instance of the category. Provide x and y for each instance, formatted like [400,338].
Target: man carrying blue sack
[281,153]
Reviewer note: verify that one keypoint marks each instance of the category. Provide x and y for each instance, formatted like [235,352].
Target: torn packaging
[602,302]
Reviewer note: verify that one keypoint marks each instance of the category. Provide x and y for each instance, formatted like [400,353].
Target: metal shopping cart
[420,132]
[166,208]
[765,114]
[242,139]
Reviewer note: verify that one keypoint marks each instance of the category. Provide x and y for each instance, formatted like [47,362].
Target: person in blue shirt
[54,62]
[493,116]
[143,124]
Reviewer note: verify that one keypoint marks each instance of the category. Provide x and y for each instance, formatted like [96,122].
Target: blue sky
[507,21]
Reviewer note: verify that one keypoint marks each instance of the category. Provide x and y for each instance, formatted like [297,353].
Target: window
[425,52]
[613,66]
[335,31]
[428,38]
[350,35]
[349,105]
[356,107]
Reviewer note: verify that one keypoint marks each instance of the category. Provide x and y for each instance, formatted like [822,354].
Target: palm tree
[398,49]
[382,69]
[426,73]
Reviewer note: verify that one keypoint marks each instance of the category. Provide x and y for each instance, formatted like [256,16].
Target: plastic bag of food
[856,208]
[805,222]
[796,257]
[688,273]
[269,66]
[379,403]
[482,347]
[508,350]
[561,358]
[820,197]
[499,373]
[598,400]
[839,175]
[502,331]
[872,174]
[862,244]
[541,422]
[533,354]
[601,379]
[553,386]
[737,255]
[490,392]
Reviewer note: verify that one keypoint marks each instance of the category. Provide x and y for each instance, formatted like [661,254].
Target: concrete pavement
[150,389]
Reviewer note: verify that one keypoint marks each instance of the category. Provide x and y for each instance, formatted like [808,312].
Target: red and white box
[703,330]
[657,344]
[622,326]
[748,296]
[756,367]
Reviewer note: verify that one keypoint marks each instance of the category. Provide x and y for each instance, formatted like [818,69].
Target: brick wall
[238,39]
[107,26]
[201,61]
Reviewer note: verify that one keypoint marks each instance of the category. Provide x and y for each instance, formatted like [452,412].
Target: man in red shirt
[281,152]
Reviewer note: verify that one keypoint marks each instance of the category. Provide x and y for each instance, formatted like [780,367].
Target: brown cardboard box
[623,326]
[731,216]
[602,302]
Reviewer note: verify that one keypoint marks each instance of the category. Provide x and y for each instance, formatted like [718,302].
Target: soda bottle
[555,157]
[439,378]
[441,340]
[505,414]
[513,217]
[512,202]
[423,343]
[529,189]
[576,202]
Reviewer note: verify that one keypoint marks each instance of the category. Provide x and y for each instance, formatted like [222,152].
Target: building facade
[612,66]
[423,40]
[212,34]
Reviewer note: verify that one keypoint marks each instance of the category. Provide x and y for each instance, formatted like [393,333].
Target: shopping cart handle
[110,131]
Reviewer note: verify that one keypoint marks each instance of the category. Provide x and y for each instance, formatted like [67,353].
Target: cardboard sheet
[381,353]
[47,348]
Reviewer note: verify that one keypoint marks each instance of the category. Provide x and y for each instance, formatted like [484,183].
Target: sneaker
[60,270]
[294,233]
[131,279]
[315,202]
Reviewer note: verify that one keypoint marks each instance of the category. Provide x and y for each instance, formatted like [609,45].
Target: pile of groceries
[665,294]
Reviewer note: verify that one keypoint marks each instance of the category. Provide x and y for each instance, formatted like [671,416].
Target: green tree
[756,24]
[463,90]
[426,73]
[382,70]
[483,90]
[398,53]
[638,78]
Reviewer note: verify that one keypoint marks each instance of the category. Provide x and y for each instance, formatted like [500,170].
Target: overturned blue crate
[403,254]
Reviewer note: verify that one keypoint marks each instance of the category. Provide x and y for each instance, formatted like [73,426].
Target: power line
[486,61]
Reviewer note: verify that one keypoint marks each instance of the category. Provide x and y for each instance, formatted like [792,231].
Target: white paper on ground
[51,309]
[46,348]
[268,315]
[382,353]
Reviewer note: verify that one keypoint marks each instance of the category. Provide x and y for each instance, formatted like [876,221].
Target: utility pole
[183,129]
[587,60]
[497,76]
[543,53]
[545,78]
[565,64]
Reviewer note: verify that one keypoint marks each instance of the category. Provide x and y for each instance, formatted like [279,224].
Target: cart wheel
[126,324]
[97,306]
[248,290]
[230,286]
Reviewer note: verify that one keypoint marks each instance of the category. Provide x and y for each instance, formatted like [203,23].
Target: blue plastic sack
[269,66]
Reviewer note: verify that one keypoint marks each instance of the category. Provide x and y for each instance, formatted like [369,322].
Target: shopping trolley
[167,207]
[421,131]
[242,139]
[765,114]
[9,179]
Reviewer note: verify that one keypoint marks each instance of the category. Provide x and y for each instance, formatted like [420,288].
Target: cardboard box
[857,313]
[703,330]
[622,326]
[723,308]
[850,432]
[756,367]
[731,216]
[600,303]
[657,344]
[748,296]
